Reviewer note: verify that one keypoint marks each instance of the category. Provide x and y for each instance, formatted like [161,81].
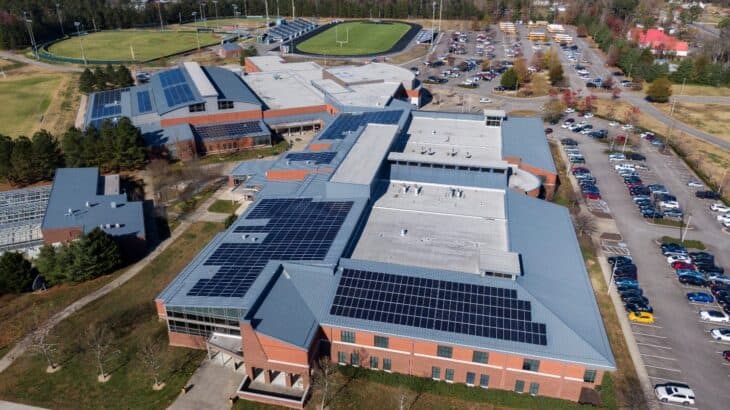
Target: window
[444,351]
[450,375]
[381,341]
[470,377]
[354,359]
[480,357]
[531,365]
[519,386]
[386,365]
[341,357]
[196,107]
[347,337]
[436,373]
[484,380]
[589,376]
[373,362]
[534,387]
[225,105]
[494,121]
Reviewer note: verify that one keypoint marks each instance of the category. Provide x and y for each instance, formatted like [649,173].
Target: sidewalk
[210,387]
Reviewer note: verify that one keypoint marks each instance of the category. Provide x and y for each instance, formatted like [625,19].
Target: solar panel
[454,307]
[107,104]
[346,123]
[316,157]
[144,102]
[295,230]
[178,94]
[225,131]
[172,77]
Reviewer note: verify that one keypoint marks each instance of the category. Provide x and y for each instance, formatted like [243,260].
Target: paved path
[22,346]
[6,405]
[55,67]
[211,385]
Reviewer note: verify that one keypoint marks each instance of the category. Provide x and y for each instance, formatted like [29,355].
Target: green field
[115,45]
[363,38]
[28,99]
[222,22]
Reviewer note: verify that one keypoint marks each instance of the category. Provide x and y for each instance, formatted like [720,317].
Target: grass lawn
[229,21]
[115,45]
[364,38]
[223,206]
[130,312]
[26,100]
[689,243]
[695,89]
[711,118]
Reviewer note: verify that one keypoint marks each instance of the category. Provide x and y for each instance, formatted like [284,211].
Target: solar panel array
[175,87]
[144,102]
[454,307]
[345,123]
[296,230]
[107,104]
[225,131]
[316,157]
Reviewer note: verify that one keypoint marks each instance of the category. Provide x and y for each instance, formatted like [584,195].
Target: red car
[578,170]
[683,265]
[726,355]
[633,185]
[592,195]
[620,138]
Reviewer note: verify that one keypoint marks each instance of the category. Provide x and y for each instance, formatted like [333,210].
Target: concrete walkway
[55,67]
[6,405]
[210,387]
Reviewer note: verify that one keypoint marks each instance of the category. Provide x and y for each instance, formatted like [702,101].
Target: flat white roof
[201,81]
[365,157]
[373,72]
[283,89]
[438,227]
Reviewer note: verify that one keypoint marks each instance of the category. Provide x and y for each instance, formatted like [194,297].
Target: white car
[678,258]
[588,115]
[723,218]
[714,316]
[646,134]
[627,127]
[695,184]
[616,157]
[619,167]
[569,110]
[612,124]
[722,335]
[720,207]
[669,204]
[675,393]
[485,100]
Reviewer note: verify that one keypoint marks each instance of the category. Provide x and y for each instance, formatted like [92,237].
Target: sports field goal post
[337,36]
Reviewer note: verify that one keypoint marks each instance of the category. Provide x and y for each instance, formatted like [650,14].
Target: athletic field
[363,38]
[26,100]
[115,45]
[244,22]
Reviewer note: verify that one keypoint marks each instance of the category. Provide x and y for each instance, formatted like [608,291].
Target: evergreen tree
[509,79]
[99,79]
[123,77]
[47,264]
[87,81]
[130,151]
[46,155]
[556,74]
[110,74]
[660,90]
[106,145]
[21,162]
[93,255]
[16,273]
[73,147]
[6,151]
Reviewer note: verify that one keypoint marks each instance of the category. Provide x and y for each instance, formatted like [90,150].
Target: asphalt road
[677,347]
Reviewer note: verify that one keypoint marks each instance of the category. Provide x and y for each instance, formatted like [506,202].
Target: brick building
[400,241]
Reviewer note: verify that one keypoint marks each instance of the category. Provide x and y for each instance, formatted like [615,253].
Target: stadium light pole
[245,9]
[202,14]
[29,26]
[235,10]
[433,27]
[81,40]
[60,21]
[159,13]
[215,5]
[278,14]
[441,7]
[292,10]
[195,21]
[266,6]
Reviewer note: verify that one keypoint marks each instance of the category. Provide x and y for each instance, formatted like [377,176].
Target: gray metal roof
[524,137]
[230,86]
[73,188]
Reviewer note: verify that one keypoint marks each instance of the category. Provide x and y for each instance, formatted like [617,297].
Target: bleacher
[425,36]
[289,30]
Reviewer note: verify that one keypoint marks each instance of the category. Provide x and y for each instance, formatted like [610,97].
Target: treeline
[112,148]
[89,257]
[107,78]
[107,15]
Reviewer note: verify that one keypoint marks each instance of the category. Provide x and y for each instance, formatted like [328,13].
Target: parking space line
[658,357]
[719,342]
[707,322]
[668,380]
[646,325]
[678,405]
[663,368]
[646,334]
[651,345]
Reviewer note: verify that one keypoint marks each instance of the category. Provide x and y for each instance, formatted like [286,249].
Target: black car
[692,280]
[627,293]
[724,300]
[702,256]
[639,300]
[548,130]
[635,157]
[638,307]
[499,88]
[619,260]
[622,288]
[709,267]
[591,85]
[707,195]
[652,214]
[672,248]
[569,141]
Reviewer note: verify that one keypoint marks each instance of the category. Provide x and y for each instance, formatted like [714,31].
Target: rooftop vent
[468,154]
[113,204]
[70,212]
[417,191]
[88,204]
[108,226]
[403,231]
[245,236]
[405,189]
[433,132]
[117,225]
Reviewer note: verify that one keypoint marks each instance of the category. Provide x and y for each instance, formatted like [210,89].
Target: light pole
[60,22]
[81,40]
[159,13]
[195,24]
[235,10]
[202,14]
[29,26]
[215,5]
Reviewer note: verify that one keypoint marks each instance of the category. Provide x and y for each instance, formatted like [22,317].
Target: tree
[123,77]
[93,255]
[46,264]
[581,31]
[553,111]
[100,342]
[509,79]
[589,103]
[21,162]
[16,273]
[615,93]
[149,355]
[324,380]
[585,224]
[86,81]
[660,90]
[44,344]
[129,146]
[550,59]
[100,80]
[520,68]
[73,147]
[556,74]
[46,155]
[538,60]
[569,98]
[631,115]
[6,151]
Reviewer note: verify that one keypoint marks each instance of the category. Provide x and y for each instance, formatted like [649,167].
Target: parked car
[695,184]
[707,195]
[700,297]
[620,260]
[485,100]
[721,334]
[720,207]
[723,218]
[702,256]
[638,307]
[627,293]
[641,317]
[714,316]
[683,265]
[625,281]
[616,157]
[675,393]
[692,280]
[675,248]
[635,156]
[678,258]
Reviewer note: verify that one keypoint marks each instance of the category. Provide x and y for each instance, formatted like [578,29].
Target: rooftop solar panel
[346,123]
[178,94]
[107,104]
[295,230]
[172,77]
[316,157]
[144,102]
[224,131]
[455,307]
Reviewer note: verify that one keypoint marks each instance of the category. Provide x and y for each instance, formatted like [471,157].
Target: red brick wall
[213,118]
[160,306]
[185,340]
[269,400]
[61,235]
[250,67]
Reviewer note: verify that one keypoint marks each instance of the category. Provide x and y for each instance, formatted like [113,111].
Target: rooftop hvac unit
[108,226]
[417,191]
[468,154]
[117,225]
[88,204]
[113,204]
[403,231]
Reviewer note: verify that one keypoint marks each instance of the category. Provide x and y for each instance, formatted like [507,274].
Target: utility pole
[441,7]
[81,40]
[433,27]
[29,26]
[202,15]
[60,21]
[159,13]
[215,4]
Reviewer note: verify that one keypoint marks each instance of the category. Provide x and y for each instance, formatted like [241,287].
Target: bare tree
[42,344]
[324,380]
[149,354]
[585,224]
[100,342]
[404,398]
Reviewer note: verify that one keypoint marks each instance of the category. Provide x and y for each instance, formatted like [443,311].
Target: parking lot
[677,346]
